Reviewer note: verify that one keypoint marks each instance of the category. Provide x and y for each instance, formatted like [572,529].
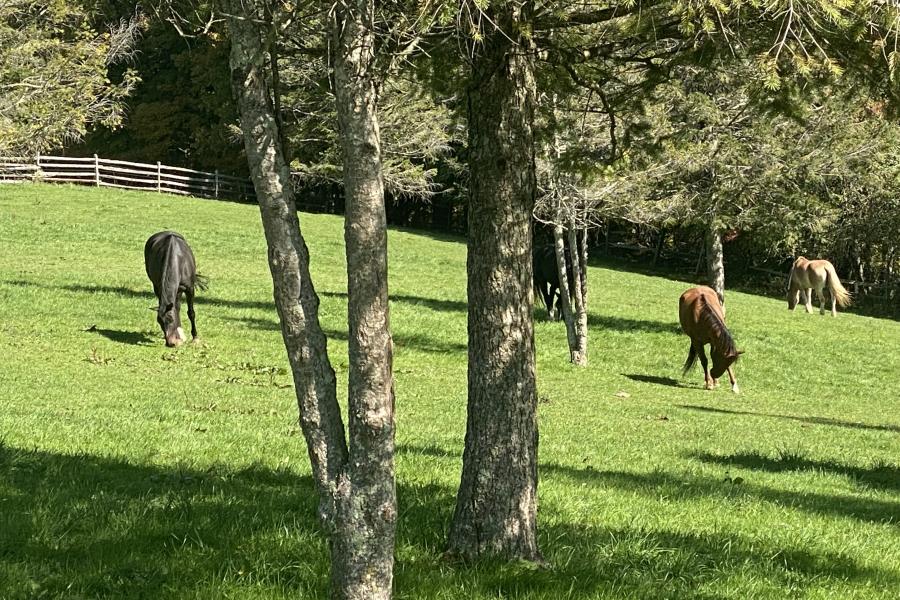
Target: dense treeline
[707,143]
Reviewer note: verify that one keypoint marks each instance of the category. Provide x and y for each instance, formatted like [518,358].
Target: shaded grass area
[128,470]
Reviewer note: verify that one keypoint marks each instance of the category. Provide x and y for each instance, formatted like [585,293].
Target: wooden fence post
[37,164]
[96,171]
[158,176]
[217,185]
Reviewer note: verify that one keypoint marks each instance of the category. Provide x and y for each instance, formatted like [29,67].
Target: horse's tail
[834,285]
[201,281]
[691,359]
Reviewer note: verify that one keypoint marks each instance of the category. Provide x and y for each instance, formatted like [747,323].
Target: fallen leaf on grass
[622,394]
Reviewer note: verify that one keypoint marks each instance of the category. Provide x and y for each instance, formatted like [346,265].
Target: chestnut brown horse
[807,275]
[702,320]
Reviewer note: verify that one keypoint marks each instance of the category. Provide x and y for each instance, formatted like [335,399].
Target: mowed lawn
[129,470]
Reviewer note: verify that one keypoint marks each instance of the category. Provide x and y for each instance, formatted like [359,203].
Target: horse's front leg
[808,294]
[189,296]
[734,385]
[707,380]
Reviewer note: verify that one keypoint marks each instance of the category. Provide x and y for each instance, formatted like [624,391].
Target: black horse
[546,278]
[172,271]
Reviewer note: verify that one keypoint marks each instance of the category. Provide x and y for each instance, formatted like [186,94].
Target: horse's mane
[166,285]
[723,342]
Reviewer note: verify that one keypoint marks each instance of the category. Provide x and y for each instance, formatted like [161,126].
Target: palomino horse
[703,321]
[807,275]
[172,271]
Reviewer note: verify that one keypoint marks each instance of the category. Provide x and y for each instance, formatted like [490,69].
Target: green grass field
[129,470]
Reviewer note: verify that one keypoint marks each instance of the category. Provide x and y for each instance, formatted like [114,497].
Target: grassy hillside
[132,470]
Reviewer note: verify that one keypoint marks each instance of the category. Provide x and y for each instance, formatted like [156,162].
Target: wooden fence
[124,174]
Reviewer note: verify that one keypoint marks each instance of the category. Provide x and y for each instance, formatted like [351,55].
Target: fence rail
[107,172]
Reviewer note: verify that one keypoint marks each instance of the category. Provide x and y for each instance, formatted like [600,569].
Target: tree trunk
[363,547]
[579,350]
[497,500]
[357,498]
[559,244]
[715,261]
[295,296]
[565,294]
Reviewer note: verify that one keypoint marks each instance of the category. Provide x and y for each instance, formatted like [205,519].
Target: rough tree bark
[578,352]
[497,500]
[565,294]
[295,296]
[715,261]
[356,487]
[367,500]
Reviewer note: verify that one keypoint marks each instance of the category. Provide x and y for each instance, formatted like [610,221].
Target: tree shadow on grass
[421,343]
[631,562]
[202,298]
[93,527]
[801,418]
[86,526]
[431,303]
[686,487]
[884,476]
[675,486]
[632,325]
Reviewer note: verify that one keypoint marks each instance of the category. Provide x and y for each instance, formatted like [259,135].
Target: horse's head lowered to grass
[172,271]
[703,321]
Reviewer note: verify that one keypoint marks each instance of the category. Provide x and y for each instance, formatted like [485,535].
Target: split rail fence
[104,172]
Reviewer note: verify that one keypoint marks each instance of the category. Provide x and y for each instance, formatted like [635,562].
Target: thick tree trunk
[497,500]
[295,296]
[363,547]
[715,261]
[578,352]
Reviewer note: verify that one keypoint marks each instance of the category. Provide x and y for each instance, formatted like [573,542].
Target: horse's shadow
[132,338]
[656,380]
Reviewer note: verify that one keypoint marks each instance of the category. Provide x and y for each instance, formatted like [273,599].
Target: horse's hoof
[736,389]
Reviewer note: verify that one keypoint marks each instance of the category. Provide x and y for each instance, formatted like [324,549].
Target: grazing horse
[546,278]
[172,271]
[703,321]
[807,275]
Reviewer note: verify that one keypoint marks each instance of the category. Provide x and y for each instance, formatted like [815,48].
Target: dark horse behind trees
[703,321]
[546,278]
[172,271]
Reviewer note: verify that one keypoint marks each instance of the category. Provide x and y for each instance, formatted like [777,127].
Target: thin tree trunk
[584,262]
[559,244]
[579,350]
[715,261]
[295,296]
[565,294]
[497,500]
[363,547]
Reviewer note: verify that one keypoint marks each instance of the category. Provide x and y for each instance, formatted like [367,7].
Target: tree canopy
[54,82]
